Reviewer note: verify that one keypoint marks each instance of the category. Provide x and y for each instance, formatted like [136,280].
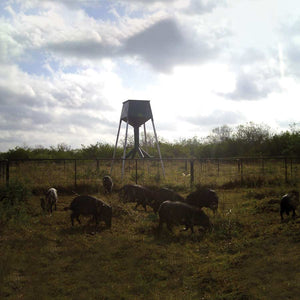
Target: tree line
[249,139]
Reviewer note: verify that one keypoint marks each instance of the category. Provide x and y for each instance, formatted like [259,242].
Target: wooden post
[242,171]
[218,167]
[192,172]
[75,171]
[285,170]
[98,166]
[136,171]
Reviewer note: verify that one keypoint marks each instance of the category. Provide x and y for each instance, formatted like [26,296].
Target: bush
[13,203]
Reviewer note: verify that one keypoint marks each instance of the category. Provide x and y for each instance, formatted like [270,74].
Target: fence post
[136,171]
[98,166]
[218,167]
[286,170]
[263,165]
[242,171]
[75,171]
[192,172]
[7,173]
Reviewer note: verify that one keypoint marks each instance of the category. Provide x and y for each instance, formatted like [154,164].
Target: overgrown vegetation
[13,200]
[245,140]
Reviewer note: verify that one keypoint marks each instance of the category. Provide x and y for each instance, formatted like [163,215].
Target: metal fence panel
[180,172]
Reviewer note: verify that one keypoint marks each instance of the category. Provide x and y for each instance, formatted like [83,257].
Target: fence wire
[178,172]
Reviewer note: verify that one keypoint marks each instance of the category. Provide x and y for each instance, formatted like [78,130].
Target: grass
[249,254]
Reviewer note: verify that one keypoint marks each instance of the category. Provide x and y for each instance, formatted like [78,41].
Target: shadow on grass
[83,229]
[149,227]
[179,237]
[290,219]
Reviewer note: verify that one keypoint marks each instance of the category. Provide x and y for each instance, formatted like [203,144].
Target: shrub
[13,203]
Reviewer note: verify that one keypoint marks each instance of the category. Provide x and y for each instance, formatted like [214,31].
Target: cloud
[288,41]
[194,7]
[292,59]
[10,49]
[75,38]
[257,73]
[216,118]
[164,45]
[199,7]
[29,4]
[65,106]
[290,46]
[253,86]
[83,48]
[248,56]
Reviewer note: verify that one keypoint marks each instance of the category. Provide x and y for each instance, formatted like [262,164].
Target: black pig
[88,205]
[180,213]
[203,197]
[289,202]
[162,195]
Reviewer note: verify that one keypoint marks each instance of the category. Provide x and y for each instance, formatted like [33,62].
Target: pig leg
[145,206]
[74,215]
[160,225]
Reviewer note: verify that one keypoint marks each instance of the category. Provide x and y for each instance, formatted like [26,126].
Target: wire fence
[180,172]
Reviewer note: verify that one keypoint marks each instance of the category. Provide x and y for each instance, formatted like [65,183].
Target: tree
[220,134]
[18,153]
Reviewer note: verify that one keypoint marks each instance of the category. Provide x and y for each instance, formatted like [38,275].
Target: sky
[67,66]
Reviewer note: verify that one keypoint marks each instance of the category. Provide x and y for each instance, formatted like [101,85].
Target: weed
[13,203]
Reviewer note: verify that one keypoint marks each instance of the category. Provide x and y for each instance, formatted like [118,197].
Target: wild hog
[107,184]
[289,202]
[180,213]
[50,199]
[162,195]
[88,205]
[136,193]
[126,193]
[203,197]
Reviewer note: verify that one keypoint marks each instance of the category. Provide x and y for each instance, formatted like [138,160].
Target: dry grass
[249,254]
